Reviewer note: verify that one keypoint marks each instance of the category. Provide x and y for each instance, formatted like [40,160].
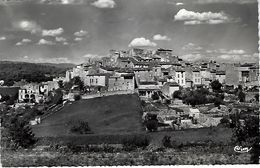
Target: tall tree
[216,86]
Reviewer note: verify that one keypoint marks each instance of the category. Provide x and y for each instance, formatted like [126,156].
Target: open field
[106,115]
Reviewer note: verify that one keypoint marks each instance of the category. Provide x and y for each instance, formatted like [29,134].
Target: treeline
[15,71]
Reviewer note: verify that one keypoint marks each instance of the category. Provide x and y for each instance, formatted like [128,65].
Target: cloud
[25,57]
[26,25]
[62,2]
[236,52]
[104,3]
[192,57]
[34,28]
[78,39]
[52,32]
[224,1]
[60,39]
[26,41]
[179,4]
[81,33]
[19,44]
[65,43]
[141,42]
[90,56]
[23,41]
[225,51]
[193,18]
[45,42]
[239,57]
[2,38]
[161,37]
[191,47]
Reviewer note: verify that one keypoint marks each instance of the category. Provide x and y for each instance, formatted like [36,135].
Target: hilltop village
[177,93]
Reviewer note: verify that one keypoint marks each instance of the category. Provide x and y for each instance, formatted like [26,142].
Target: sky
[71,31]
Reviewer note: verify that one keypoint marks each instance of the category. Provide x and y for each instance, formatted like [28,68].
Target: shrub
[152,125]
[80,127]
[257,97]
[241,96]
[177,94]
[77,97]
[155,96]
[166,141]
[217,102]
[224,121]
[135,142]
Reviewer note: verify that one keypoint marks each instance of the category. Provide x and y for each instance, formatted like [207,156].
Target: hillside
[15,71]
[106,115]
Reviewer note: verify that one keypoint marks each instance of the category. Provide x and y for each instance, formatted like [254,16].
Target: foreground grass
[186,156]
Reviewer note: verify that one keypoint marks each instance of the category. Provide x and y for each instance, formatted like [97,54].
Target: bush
[77,97]
[166,141]
[155,96]
[80,127]
[216,86]
[152,125]
[177,94]
[224,121]
[217,102]
[135,142]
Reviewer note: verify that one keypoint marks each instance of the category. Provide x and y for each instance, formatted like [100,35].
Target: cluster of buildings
[146,72]
[149,71]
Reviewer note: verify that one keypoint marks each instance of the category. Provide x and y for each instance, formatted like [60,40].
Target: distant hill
[31,72]
[116,114]
[61,65]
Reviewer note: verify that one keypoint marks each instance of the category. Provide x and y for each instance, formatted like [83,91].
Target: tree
[60,83]
[155,96]
[217,101]
[152,125]
[166,141]
[58,97]
[241,96]
[19,133]
[247,134]
[79,82]
[177,94]
[77,97]
[216,86]
[257,97]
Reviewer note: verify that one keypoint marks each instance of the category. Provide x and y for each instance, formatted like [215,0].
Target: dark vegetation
[17,133]
[245,128]
[79,127]
[16,71]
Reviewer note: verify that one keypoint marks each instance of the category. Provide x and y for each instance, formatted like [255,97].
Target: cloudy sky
[72,30]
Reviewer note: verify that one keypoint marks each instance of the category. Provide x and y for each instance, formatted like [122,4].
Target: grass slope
[106,115]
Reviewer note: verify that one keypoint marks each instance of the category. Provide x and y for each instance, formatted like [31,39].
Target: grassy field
[187,156]
[217,135]
[106,115]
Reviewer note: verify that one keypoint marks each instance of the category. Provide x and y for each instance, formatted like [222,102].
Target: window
[178,81]
[182,81]
[96,80]
[178,75]
[182,74]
